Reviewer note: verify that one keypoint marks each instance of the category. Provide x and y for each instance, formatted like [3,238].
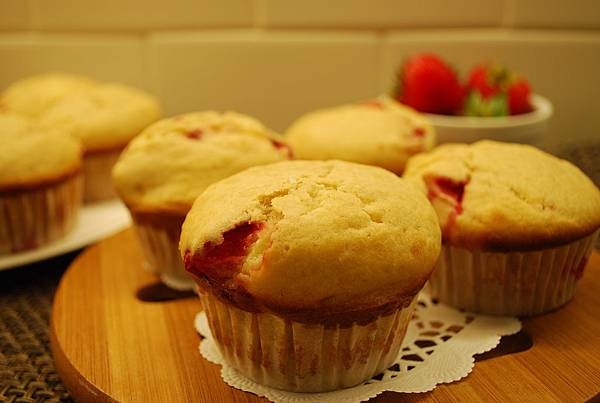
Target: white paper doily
[438,348]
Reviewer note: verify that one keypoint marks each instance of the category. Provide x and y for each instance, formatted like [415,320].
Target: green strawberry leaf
[476,105]
[473,104]
[497,105]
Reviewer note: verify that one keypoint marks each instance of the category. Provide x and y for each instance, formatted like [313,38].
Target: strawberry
[428,84]
[495,91]
[487,79]
[518,97]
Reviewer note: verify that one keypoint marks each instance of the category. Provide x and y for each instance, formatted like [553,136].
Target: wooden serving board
[116,336]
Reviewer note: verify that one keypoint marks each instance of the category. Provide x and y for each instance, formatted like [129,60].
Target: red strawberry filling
[194,134]
[418,132]
[282,146]
[218,264]
[446,195]
[448,188]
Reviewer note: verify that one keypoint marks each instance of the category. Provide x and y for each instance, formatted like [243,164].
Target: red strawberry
[495,91]
[518,97]
[429,85]
[485,79]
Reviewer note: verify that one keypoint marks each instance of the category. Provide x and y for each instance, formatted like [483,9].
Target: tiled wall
[276,59]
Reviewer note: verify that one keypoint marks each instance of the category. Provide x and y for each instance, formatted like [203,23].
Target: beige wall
[279,58]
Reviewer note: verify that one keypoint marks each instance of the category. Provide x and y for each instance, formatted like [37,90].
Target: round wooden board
[110,344]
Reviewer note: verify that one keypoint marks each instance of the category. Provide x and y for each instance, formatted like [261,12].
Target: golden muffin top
[34,95]
[167,166]
[103,117]
[315,240]
[32,157]
[379,132]
[502,196]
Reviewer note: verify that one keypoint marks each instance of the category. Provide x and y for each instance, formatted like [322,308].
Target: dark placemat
[586,155]
[27,372]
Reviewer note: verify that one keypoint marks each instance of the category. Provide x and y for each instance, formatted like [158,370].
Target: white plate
[96,221]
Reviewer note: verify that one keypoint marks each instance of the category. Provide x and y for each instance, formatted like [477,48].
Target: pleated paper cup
[97,168]
[158,237]
[299,357]
[513,283]
[32,218]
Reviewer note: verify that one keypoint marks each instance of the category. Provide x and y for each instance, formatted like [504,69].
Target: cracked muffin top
[378,132]
[312,240]
[34,95]
[104,117]
[32,157]
[500,196]
[167,166]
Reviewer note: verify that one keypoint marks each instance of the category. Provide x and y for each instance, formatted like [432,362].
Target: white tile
[561,66]
[104,57]
[141,15]
[381,13]
[15,14]
[273,76]
[555,13]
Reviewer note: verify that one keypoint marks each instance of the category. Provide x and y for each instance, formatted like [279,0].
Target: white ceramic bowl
[527,128]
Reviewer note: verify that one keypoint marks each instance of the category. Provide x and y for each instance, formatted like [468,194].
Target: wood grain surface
[112,342]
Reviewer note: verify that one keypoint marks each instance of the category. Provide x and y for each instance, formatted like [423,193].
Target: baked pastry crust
[379,132]
[32,96]
[511,197]
[327,242]
[104,117]
[166,167]
[32,157]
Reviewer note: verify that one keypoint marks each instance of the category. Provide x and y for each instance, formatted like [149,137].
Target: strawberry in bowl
[429,85]
[493,90]
[493,102]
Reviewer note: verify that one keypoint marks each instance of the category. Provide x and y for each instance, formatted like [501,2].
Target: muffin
[379,132]
[40,184]
[518,226]
[165,168]
[33,96]
[309,271]
[104,118]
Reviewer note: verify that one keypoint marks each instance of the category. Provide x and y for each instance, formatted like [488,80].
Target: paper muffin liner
[97,168]
[159,242]
[300,357]
[439,348]
[513,283]
[32,218]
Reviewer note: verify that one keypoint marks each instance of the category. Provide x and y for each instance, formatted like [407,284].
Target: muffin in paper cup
[309,274]
[518,226]
[379,132]
[164,169]
[40,185]
[104,117]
